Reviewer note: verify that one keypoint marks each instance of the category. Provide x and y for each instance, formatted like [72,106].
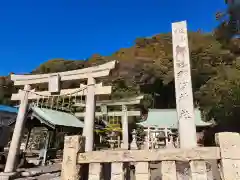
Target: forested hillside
[147,67]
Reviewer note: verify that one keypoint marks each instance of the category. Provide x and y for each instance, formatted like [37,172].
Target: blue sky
[34,31]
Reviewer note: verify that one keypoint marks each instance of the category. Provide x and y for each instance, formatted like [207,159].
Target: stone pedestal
[8,175]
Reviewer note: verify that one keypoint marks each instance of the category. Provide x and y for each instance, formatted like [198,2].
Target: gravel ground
[41,173]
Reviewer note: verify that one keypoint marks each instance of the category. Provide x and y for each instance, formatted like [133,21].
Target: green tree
[147,68]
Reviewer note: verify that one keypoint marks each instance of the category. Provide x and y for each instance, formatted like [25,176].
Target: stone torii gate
[54,80]
[124,114]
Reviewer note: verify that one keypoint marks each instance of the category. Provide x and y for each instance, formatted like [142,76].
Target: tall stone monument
[183,85]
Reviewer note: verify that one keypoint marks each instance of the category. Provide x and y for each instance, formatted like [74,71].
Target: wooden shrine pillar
[149,140]
[89,119]
[183,86]
[46,147]
[28,137]
[17,133]
[166,135]
[125,128]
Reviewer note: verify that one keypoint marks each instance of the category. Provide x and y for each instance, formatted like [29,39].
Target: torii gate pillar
[17,134]
[125,144]
[90,115]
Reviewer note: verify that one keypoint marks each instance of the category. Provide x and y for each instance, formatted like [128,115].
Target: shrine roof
[54,118]
[162,118]
[8,109]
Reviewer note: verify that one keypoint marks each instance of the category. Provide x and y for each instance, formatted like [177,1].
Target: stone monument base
[8,175]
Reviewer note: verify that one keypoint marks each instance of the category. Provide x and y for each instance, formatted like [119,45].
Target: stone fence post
[72,146]
[229,144]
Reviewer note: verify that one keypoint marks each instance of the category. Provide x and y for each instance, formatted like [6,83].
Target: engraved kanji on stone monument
[183,85]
